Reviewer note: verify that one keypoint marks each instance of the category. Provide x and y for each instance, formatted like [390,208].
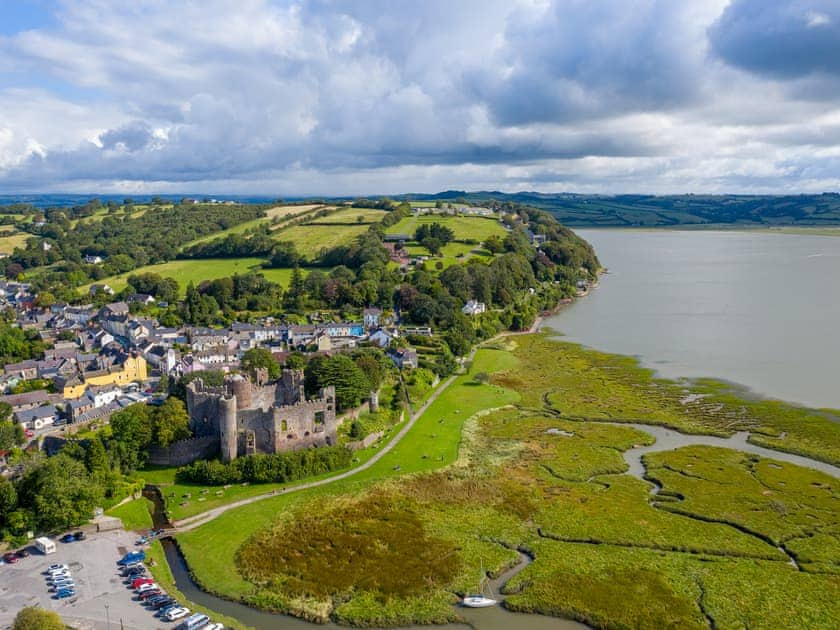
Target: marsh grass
[394,548]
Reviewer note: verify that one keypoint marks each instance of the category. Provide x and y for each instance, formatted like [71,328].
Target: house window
[319,417]
[284,426]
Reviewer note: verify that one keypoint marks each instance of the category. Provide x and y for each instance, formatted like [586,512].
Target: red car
[10,558]
[137,582]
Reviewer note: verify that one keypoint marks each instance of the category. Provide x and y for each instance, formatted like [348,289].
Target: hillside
[669,210]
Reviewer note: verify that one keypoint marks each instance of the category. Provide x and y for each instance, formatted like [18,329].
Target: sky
[394,96]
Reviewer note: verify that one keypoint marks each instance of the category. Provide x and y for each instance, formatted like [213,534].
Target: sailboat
[482,599]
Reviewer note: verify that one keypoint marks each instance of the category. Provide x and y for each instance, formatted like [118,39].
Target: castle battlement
[261,417]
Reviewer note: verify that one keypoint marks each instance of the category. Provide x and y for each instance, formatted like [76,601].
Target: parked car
[144,596]
[64,585]
[60,577]
[194,622]
[163,603]
[177,613]
[139,581]
[68,538]
[215,626]
[146,586]
[132,557]
[134,572]
[10,557]
[22,553]
[79,536]
[64,593]
[167,609]
[57,567]
[141,541]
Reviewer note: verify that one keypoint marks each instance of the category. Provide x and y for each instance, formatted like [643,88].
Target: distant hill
[669,210]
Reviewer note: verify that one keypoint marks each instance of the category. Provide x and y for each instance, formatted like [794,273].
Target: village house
[93,259]
[37,417]
[100,288]
[24,370]
[383,337]
[27,400]
[473,307]
[404,358]
[371,317]
[140,298]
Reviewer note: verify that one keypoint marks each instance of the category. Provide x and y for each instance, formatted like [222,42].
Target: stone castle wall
[185,452]
[252,418]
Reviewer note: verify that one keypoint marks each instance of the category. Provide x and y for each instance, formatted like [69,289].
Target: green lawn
[135,515]
[186,271]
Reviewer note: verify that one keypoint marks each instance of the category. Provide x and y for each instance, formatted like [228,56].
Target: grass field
[186,271]
[135,515]
[351,216]
[465,228]
[311,239]
[466,486]
[279,212]
[11,238]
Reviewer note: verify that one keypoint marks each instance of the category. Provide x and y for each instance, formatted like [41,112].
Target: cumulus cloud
[327,97]
[785,39]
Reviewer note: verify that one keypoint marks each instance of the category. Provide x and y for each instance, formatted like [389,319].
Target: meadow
[520,463]
[311,238]
[11,238]
[466,228]
[279,214]
[352,216]
[195,271]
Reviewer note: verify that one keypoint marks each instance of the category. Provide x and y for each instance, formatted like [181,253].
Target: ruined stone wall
[203,408]
[184,452]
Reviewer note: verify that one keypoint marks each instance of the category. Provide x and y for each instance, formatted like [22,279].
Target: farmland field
[11,238]
[186,271]
[350,216]
[279,212]
[311,239]
[465,228]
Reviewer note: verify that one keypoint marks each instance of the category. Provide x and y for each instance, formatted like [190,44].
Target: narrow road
[192,522]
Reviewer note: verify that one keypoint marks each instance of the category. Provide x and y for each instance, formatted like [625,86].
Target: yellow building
[133,369]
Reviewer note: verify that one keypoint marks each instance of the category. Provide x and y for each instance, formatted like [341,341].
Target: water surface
[757,308]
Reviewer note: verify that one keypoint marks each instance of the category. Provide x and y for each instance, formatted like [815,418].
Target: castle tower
[241,389]
[373,401]
[227,428]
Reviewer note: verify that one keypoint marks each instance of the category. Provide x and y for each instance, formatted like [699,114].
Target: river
[755,308]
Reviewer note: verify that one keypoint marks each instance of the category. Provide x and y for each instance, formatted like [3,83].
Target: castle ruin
[256,416]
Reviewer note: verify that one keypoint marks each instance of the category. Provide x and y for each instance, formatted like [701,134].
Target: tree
[351,384]
[132,431]
[96,458]
[260,358]
[293,300]
[171,422]
[11,435]
[60,492]
[163,383]
[34,618]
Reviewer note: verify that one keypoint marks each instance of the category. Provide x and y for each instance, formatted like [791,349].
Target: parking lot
[102,601]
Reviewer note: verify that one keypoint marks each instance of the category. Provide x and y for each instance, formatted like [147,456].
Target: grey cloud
[591,59]
[783,39]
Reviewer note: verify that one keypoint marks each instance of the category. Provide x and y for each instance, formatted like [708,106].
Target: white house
[473,308]
[37,418]
[93,260]
[371,317]
[383,337]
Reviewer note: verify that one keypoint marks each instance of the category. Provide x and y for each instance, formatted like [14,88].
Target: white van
[45,545]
